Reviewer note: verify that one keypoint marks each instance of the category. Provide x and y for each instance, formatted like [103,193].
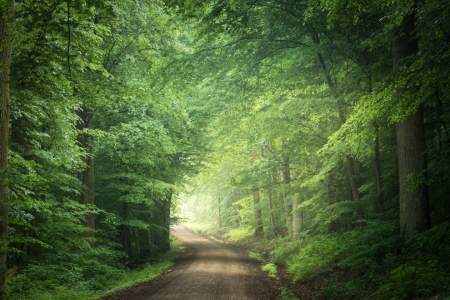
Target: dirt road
[206,270]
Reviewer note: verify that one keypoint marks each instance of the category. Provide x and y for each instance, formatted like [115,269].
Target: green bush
[285,250]
[426,270]
[271,269]
[238,234]
[321,250]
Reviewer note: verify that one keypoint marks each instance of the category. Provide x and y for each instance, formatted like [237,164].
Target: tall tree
[6,33]
[256,203]
[412,164]
[86,176]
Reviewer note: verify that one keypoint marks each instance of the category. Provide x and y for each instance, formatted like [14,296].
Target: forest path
[206,270]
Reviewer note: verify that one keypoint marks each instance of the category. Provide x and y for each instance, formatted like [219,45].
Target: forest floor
[206,269]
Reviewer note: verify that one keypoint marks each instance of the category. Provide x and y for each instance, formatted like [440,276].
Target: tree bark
[269,196]
[287,200]
[331,199]
[412,164]
[353,183]
[297,223]
[87,176]
[256,199]
[355,193]
[6,32]
[378,171]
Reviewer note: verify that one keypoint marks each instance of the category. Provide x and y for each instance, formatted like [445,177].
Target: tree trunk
[258,220]
[87,176]
[331,200]
[414,206]
[378,171]
[297,223]
[166,236]
[350,167]
[256,199]
[355,193]
[6,32]
[220,219]
[271,218]
[287,200]
[269,196]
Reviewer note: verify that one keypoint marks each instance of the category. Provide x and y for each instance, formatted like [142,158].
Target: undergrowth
[238,234]
[379,263]
[62,283]
[271,269]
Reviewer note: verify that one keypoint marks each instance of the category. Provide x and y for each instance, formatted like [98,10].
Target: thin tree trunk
[6,32]
[271,218]
[297,224]
[354,185]
[220,219]
[331,200]
[168,204]
[237,209]
[275,201]
[378,171]
[355,193]
[256,199]
[269,196]
[350,167]
[412,164]
[287,201]
[87,176]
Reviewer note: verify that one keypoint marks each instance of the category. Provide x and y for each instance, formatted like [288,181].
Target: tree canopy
[318,125]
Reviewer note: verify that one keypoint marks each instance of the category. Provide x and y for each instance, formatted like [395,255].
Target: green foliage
[47,285]
[270,268]
[285,99]
[144,273]
[238,234]
[287,294]
[320,251]
[426,269]
[255,255]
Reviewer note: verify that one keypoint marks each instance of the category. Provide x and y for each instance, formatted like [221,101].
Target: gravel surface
[206,270]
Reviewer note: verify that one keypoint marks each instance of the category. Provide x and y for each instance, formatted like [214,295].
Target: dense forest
[317,126]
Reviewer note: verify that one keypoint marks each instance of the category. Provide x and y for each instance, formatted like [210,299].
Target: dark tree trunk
[353,183]
[414,206]
[166,233]
[378,171]
[6,31]
[355,193]
[87,176]
[162,216]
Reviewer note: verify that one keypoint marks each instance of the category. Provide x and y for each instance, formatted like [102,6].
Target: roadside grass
[21,288]
[370,263]
[238,234]
[215,239]
[146,272]
[196,227]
